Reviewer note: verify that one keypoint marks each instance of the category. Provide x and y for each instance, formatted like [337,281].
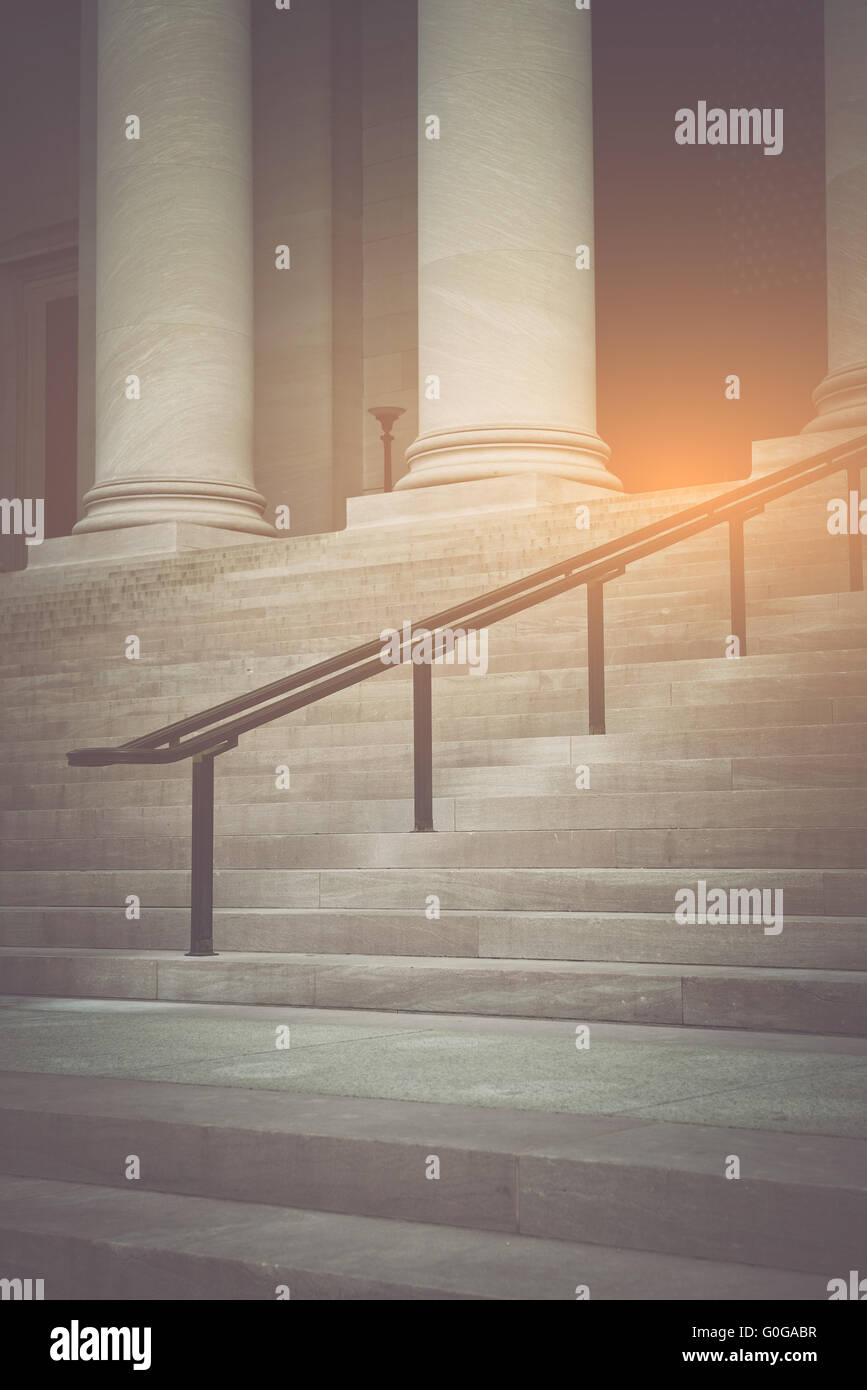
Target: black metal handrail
[216,730]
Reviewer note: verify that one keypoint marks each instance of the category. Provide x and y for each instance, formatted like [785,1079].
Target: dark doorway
[710,261]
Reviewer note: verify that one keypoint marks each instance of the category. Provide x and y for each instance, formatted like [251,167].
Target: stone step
[371,612]
[254,753]
[643,584]
[509,651]
[808,527]
[790,941]
[364,734]
[581,809]
[646,580]
[465,694]
[369,725]
[785,848]
[611,1181]
[625,811]
[332,785]
[675,618]
[754,744]
[780,632]
[471,562]
[817,567]
[514,655]
[817,570]
[741,774]
[239,783]
[707,588]
[558,653]
[558,665]
[281,617]
[808,892]
[105,1244]
[805,518]
[635,510]
[249,758]
[804,511]
[641,648]
[703,996]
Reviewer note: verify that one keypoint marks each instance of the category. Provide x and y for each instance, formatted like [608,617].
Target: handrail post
[422,745]
[856,550]
[202,860]
[738,582]
[596,656]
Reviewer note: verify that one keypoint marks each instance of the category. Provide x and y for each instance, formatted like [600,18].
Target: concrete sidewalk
[795,1084]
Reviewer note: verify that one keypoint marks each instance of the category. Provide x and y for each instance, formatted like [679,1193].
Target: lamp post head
[386,415]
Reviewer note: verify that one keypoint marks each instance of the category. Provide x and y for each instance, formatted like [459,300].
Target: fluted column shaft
[841,399]
[506,317]
[174,255]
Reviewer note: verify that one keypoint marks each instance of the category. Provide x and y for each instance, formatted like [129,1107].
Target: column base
[841,401]
[130,544]
[524,492]
[462,456]
[114,505]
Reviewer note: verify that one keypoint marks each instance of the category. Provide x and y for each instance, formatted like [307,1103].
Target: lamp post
[386,416]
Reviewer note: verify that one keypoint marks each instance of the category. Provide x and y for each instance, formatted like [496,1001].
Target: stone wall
[390,227]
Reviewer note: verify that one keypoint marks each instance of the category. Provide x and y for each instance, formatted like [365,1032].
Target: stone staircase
[534,901]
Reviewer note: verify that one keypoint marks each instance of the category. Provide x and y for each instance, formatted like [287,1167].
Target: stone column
[174,282]
[507,322]
[841,399]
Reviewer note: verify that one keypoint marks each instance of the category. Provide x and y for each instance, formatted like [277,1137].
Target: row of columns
[506,253]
